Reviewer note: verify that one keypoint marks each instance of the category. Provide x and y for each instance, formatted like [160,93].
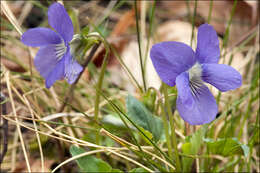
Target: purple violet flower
[177,64]
[54,60]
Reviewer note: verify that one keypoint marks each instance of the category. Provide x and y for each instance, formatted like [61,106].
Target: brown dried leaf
[127,20]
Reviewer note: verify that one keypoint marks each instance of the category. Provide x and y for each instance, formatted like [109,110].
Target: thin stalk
[97,100]
[188,10]
[166,131]
[132,148]
[246,116]
[66,125]
[149,35]
[117,5]
[17,123]
[244,39]
[139,45]
[225,40]
[252,141]
[193,22]
[210,10]
[131,76]
[173,135]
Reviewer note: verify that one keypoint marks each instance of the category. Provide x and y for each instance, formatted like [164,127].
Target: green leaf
[192,146]
[140,115]
[138,170]
[115,125]
[89,163]
[147,133]
[227,147]
[113,121]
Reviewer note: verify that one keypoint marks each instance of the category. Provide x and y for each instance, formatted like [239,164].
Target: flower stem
[193,22]
[97,100]
[166,131]
[226,35]
[210,11]
[151,19]
[225,40]
[139,45]
[173,135]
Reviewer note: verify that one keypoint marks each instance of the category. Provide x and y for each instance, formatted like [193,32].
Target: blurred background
[236,23]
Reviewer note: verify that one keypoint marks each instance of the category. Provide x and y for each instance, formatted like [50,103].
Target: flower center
[195,78]
[60,50]
[195,71]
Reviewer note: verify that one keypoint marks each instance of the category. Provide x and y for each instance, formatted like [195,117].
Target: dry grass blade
[37,133]
[13,154]
[76,157]
[131,160]
[4,126]
[43,133]
[25,12]
[8,13]
[124,143]
[17,123]
[55,131]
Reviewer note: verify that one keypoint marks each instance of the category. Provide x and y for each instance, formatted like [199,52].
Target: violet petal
[56,74]
[60,21]
[222,76]
[198,108]
[72,68]
[45,60]
[170,59]
[37,37]
[48,65]
[207,45]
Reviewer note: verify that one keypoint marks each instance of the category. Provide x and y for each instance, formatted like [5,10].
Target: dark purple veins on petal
[195,107]
[46,60]
[72,68]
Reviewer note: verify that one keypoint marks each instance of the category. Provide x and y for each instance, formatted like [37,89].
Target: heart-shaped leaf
[140,115]
[89,163]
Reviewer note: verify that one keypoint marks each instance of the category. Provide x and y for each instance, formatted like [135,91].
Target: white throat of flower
[60,50]
[195,78]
